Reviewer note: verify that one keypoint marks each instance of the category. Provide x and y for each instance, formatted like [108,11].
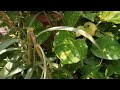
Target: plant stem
[30,45]
[65,28]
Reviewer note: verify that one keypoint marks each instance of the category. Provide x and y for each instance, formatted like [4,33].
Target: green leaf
[71,17]
[12,15]
[7,43]
[5,70]
[89,16]
[41,38]
[72,67]
[33,22]
[9,49]
[88,36]
[71,51]
[16,57]
[110,48]
[116,66]
[92,60]
[98,34]
[88,70]
[61,36]
[61,74]
[109,70]
[16,70]
[110,16]
[29,73]
[33,19]
[97,75]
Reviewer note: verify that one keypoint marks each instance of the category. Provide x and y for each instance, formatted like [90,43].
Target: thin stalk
[65,28]
[100,62]
[30,45]
[47,18]
[45,65]
[40,53]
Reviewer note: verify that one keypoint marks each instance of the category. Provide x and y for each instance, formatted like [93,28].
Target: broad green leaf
[71,51]
[91,60]
[71,18]
[89,16]
[29,73]
[88,70]
[116,66]
[113,68]
[5,70]
[7,43]
[110,48]
[61,36]
[110,16]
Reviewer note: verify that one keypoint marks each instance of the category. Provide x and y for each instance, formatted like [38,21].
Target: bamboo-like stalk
[30,45]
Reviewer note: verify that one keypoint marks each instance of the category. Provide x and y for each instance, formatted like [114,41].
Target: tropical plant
[59,44]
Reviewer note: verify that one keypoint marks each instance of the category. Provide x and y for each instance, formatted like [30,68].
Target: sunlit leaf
[9,49]
[7,43]
[88,36]
[29,73]
[110,16]
[110,48]
[71,51]
[16,70]
[61,36]
[5,70]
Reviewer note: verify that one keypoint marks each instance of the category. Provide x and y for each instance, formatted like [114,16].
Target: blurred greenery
[27,54]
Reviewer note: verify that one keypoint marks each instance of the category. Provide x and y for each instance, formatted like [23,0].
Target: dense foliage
[59,45]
